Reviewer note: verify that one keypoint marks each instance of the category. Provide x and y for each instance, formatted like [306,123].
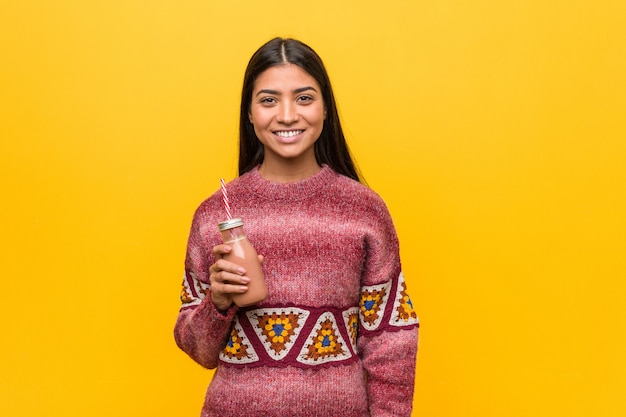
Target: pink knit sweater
[337,334]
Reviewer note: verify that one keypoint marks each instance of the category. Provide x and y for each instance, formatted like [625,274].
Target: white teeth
[289,133]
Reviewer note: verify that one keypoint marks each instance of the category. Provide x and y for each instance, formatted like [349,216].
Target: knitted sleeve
[200,330]
[389,326]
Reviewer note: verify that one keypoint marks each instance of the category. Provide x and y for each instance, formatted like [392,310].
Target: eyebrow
[297,90]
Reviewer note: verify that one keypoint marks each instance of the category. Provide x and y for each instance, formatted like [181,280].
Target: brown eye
[267,100]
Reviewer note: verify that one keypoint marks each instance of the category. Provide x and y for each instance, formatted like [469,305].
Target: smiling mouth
[288,133]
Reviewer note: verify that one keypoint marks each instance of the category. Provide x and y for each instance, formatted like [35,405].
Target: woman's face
[287,111]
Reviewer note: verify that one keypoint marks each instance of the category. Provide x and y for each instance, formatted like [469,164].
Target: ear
[250,118]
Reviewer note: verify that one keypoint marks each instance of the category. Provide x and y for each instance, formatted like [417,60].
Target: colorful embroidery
[185,298]
[277,329]
[324,343]
[193,291]
[234,347]
[403,313]
[281,336]
[238,349]
[372,304]
[351,320]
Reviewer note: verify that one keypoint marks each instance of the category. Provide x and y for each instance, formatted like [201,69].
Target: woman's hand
[226,278]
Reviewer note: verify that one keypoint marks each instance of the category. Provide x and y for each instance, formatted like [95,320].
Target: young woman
[337,333]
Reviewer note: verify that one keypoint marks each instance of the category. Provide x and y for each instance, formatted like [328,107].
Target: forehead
[285,77]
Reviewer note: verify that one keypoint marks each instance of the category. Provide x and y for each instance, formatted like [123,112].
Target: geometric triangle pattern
[301,337]
[403,313]
[372,304]
[238,348]
[193,291]
[351,321]
[324,343]
[277,328]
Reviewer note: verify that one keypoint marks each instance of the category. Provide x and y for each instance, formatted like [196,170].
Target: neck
[287,173]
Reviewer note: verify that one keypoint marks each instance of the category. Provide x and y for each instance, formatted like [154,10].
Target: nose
[287,113]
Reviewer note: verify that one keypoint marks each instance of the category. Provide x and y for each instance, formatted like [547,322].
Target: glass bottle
[245,255]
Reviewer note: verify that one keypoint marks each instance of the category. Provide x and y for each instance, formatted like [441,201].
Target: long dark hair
[331,147]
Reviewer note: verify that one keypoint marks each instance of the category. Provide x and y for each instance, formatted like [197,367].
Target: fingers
[226,266]
[223,272]
[226,291]
[220,250]
[226,278]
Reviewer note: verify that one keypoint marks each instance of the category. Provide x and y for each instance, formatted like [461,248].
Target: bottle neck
[230,235]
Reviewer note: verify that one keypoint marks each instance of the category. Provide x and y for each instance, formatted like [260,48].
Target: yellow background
[493,129]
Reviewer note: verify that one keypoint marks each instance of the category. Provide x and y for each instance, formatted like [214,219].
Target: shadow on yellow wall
[494,131]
